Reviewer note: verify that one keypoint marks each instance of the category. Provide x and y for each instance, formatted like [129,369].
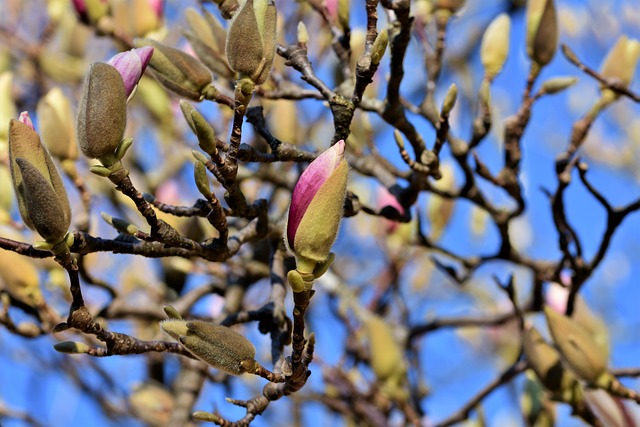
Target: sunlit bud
[55,120]
[379,46]
[219,346]
[102,113]
[542,31]
[177,70]
[131,65]
[72,347]
[202,179]
[200,127]
[6,194]
[251,40]
[152,403]
[136,18]
[450,99]
[620,63]
[545,362]
[576,346]
[90,11]
[316,205]
[206,417]
[558,84]
[495,45]
[20,279]
[207,38]
[386,355]
[439,209]
[42,199]
[303,34]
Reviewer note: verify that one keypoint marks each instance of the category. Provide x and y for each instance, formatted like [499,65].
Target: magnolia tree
[174,180]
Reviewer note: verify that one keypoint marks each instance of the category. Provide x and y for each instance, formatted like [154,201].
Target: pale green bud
[577,346]
[102,113]
[219,346]
[379,46]
[303,34]
[385,353]
[450,99]
[251,40]
[558,84]
[71,347]
[542,31]
[200,127]
[177,70]
[207,37]
[495,45]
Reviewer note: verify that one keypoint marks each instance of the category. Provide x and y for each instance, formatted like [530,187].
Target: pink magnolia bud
[316,205]
[90,11]
[24,118]
[157,6]
[131,65]
[385,198]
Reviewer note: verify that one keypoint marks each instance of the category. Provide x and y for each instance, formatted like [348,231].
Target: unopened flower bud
[102,113]
[577,347]
[251,40]
[385,352]
[495,45]
[303,34]
[207,38]
[620,63]
[72,347]
[42,199]
[450,99]
[177,70]
[316,205]
[55,120]
[439,209]
[542,31]
[558,84]
[25,119]
[219,346]
[200,127]
[379,46]
[131,65]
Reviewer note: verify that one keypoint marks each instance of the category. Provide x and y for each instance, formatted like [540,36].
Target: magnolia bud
[450,5]
[251,40]
[379,46]
[102,113]
[303,34]
[7,104]
[20,279]
[219,346]
[450,99]
[55,120]
[439,209]
[201,127]
[72,347]
[42,199]
[316,205]
[90,11]
[495,45]
[207,37]
[576,346]
[542,31]
[558,84]
[385,352]
[202,179]
[176,70]
[620,63]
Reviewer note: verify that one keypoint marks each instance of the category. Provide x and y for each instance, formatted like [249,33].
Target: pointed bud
[55,120]
[439,209]
[558,84]
[207,37]
[620,63]
[379,46]
[131,65]
[202,179]
[72,347]
[219,346]
[542,31]
[177,70]
[303,34]
[450,99]
[251,41]
[576,346]
[200,127]
[25,119]
[20,279]
[386,355]
[316,205]
[42,199]
[495,45]
[102,113]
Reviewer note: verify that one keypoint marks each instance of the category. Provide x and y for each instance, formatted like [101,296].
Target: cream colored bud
[56,124]
[542,31]
[620,63]
[495,45]
[450,99]
[558,84]
[303,34]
